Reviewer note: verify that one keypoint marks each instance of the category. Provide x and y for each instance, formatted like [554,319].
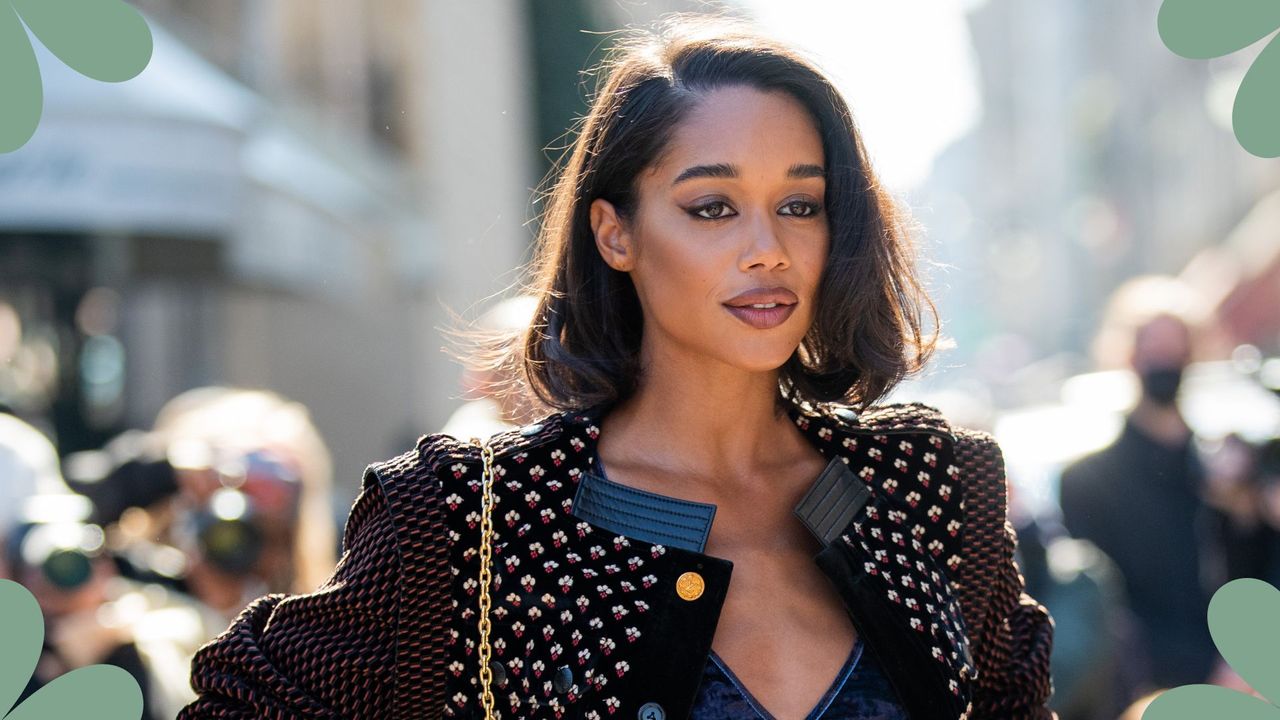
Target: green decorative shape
[21,95]
[1209,28]
[106,40]
[22,627]
[1202,702]
[1201,29]
[1255,118]
[101,692]
[1244,619]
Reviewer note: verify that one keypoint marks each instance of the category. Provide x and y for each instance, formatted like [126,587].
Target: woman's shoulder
[971,445]
[439,459]
[970,456]
[885,418]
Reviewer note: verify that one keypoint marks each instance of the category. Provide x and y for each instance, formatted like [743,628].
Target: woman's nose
[763,244]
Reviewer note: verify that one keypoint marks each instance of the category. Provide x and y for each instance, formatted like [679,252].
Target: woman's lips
[763,318]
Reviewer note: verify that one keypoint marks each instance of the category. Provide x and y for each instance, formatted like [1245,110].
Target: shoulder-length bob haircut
[583,344]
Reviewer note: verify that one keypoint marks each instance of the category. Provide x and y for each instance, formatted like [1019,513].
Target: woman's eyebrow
[806,170]
[727,170]
[718,170]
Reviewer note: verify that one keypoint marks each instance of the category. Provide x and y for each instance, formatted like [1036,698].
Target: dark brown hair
[583,345]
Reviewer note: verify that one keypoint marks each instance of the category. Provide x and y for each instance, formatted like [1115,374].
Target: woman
[705,527]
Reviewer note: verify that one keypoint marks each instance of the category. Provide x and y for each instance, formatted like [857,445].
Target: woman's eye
[800,208]
[713,210]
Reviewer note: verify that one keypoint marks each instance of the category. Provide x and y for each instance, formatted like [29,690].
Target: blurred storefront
[173,231]
[1100,155]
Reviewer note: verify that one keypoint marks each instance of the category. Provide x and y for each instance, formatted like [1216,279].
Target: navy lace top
[859,692]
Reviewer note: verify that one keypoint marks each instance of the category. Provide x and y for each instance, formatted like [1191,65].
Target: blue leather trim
[827,508]
[643,515]
[832,501]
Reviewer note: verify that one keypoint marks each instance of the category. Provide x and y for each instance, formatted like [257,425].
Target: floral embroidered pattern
[569,623]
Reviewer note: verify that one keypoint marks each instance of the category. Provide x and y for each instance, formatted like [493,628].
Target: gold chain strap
[486,577]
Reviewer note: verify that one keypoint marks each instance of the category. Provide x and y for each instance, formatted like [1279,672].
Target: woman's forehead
[748,130]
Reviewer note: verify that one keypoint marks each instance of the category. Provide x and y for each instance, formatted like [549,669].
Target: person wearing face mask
[1139,498]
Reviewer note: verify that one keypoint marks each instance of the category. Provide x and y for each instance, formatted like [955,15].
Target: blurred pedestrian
[238,533]
[1244,498]
[1082,590]
[235,483]
[266,445]
[63,563]
[1139,498]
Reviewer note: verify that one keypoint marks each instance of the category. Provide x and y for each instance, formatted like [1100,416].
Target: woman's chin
[760,360]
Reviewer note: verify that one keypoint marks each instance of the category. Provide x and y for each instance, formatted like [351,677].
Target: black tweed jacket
[588,623]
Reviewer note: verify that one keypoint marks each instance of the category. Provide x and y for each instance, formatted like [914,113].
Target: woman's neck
[706,431]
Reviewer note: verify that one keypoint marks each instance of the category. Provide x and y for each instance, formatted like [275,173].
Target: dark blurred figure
[1244,497]
[130,471]
[1093,633]
[1139,499]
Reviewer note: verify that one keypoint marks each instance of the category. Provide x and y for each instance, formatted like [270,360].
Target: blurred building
[293,195]
[1100,155]
[176,230]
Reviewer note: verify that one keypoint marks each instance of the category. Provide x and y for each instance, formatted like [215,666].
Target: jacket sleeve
[1011,634]
[330,653]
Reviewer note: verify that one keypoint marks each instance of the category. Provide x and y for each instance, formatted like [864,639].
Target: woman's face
[734,204]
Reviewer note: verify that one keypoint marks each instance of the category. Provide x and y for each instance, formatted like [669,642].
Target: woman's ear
[613,239]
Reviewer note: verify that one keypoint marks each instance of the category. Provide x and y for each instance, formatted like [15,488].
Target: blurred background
[223,285]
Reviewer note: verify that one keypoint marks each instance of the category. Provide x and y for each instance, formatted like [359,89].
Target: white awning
[185,150]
